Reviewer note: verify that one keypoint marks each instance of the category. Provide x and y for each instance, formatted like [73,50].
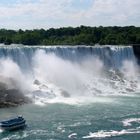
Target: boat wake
[112,133]
[128,122]
[25,134]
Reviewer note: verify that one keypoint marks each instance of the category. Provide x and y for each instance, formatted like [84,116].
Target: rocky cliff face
[136,49]
[10,97]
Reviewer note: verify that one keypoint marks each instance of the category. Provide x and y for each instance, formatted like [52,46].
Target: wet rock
[65,94]
[11,97]
[43,94]
[129,90]
[36,82]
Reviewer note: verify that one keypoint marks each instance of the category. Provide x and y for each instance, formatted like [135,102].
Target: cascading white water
[55,74]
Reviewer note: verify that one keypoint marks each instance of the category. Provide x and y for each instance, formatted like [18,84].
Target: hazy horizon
[37,14]
[64,27]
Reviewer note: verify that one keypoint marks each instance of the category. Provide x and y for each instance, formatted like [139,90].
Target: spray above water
[52,78]
[71,77]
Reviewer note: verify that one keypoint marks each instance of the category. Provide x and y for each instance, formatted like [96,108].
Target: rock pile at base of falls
[11,97]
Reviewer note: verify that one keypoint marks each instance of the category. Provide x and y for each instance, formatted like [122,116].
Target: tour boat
[12,124]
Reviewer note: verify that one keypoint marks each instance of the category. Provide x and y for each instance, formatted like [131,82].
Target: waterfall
[60,72]
[111,56]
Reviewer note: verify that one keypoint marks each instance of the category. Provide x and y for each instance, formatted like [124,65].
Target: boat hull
[16,127]
[13,124]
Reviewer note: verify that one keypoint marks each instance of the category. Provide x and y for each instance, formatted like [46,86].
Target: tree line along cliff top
[82,35]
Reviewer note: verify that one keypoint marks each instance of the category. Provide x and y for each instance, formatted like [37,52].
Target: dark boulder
[11,97]
[65,94]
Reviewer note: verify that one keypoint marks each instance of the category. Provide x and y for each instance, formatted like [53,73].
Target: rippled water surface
[78,92]
[115,118]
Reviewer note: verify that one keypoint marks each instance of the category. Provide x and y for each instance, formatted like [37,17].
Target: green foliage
[82,35]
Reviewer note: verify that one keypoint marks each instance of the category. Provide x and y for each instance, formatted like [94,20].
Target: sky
[36,14]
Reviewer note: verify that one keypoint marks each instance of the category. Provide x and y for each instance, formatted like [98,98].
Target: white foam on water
[83,82]
[73,101]
[25,134]
[128,122]
[73,135]
[112,133]
[45,92]
[16,137]
[38,132]
[1,130]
